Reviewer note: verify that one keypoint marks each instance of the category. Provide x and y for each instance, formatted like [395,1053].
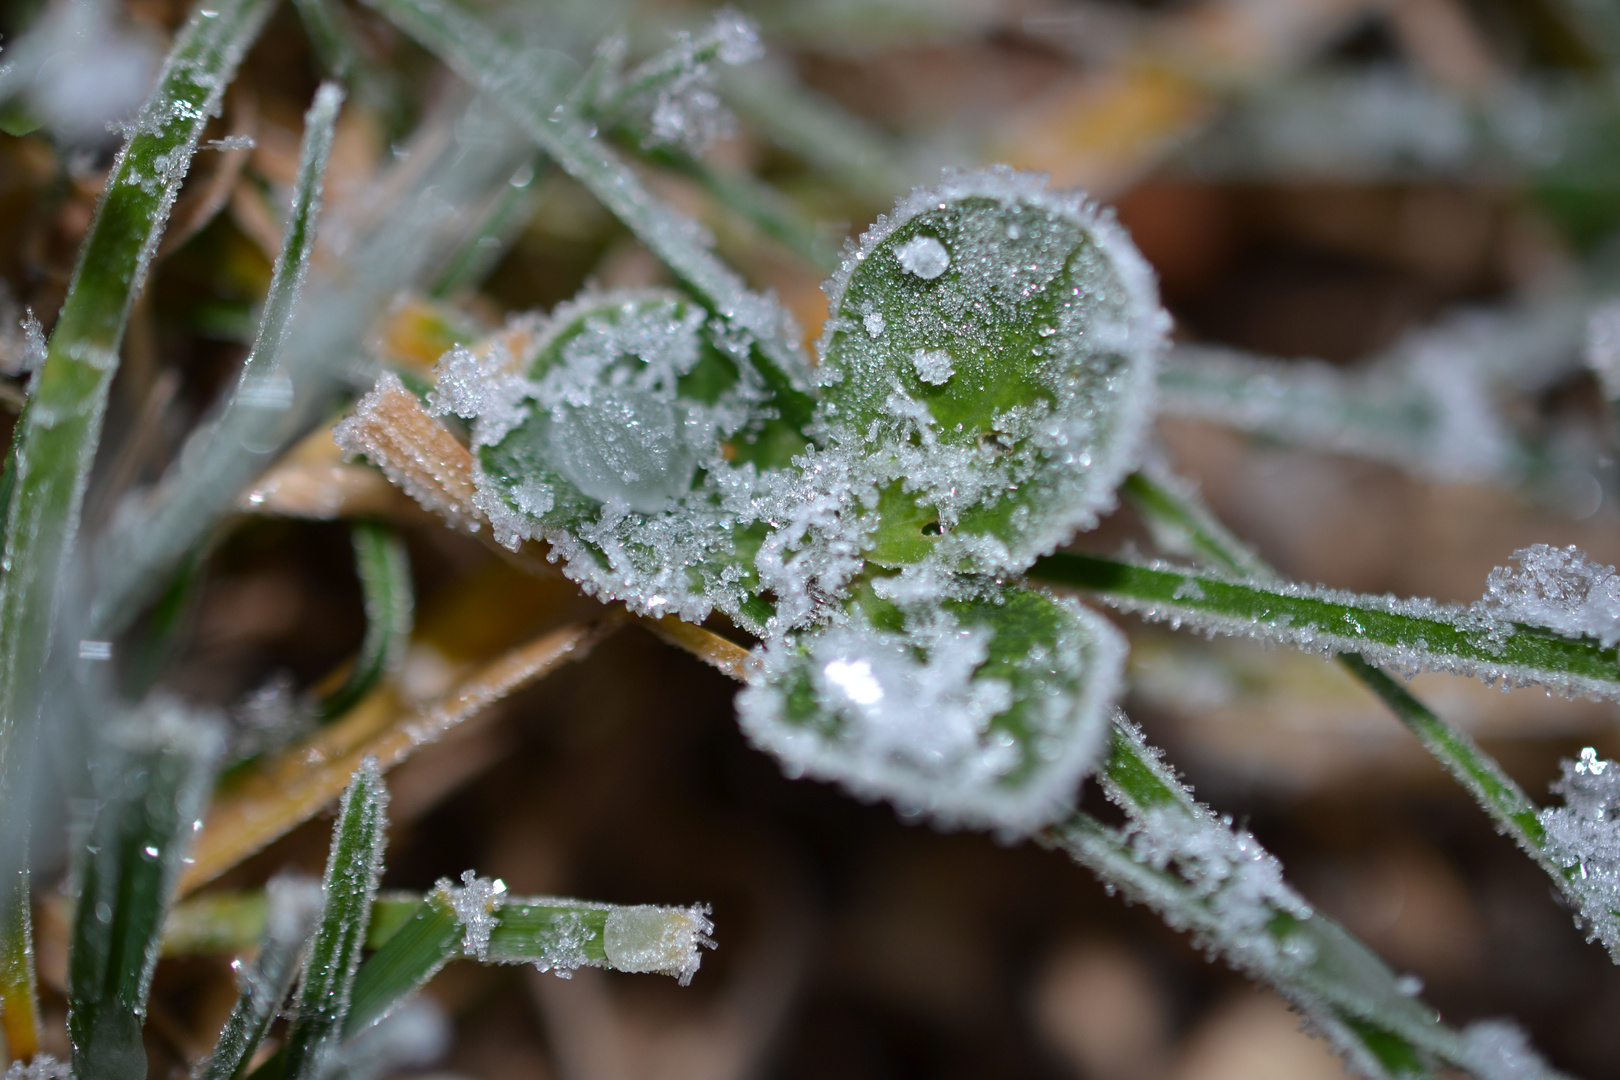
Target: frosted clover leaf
[990,358]
[985,709]
[614,436]
[986,370]
[1583,836]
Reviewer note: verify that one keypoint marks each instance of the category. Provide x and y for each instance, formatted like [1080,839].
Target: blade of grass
[769,211]
[551,933]
[512,208]
[1410,635]
[294,786]
[151,787]
[535,98]
[57,436]
[291,906]
[846,148]
[143,551]
[1245,912]
[352,869]
[1171,504]
[385,582]
[19,988]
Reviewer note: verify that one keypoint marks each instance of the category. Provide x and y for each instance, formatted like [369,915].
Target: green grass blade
[57,436]
[1182,860]
[151,786]
[144,550]
[500,226]
[766,208]
[19,988]
[411,956]
[350,884]
[1410,635]
[534,95]
[385,582]
[291,908]
[1165,500]
[848,149]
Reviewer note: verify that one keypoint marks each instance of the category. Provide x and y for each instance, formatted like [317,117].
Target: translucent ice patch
[981,710]
[990,358]
[1559,588]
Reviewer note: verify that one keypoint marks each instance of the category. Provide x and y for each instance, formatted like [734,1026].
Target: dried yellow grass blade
[302,780]
[392,429]
[720,653]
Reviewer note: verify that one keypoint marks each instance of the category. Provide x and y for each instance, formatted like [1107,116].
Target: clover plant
[869,539]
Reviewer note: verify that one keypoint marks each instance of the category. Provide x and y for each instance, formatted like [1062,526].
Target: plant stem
[352,869]
[384,569]
[535,98]
[143,552]
[19,992]
[1170,503]
[61,427]
[1409,634]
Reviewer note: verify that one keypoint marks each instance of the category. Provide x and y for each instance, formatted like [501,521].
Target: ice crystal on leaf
[1559,588]
[475,903]
[985,709]
[41,1067]
[986,370]
[657,940]
[1583,836]
[1002,402]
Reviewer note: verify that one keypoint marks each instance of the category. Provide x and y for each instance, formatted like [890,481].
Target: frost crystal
[1559,588]
[42,1067]
[1498,1050]
[22,349]
[986,710]
[1583,835]
[475,904]
[924,256]
[1240,881]
[933,366]
[686,110]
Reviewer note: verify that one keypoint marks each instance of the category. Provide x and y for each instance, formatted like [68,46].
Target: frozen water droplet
[933,366]
[626,447]
[874,324]
[924,256]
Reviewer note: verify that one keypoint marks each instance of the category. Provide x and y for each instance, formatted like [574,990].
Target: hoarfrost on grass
[984,711]
[22,339]
[1583,836]
[1559,588]
[1499,1050]
[476,903]
[665,941]
[40,1067]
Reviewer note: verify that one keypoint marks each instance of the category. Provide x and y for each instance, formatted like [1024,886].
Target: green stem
[1242,909]
[19,991]
[61,427]
[533,95]
[350,884]
[144,551]
[1169,504]
[384,569]
[1408,634]
[152,791]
